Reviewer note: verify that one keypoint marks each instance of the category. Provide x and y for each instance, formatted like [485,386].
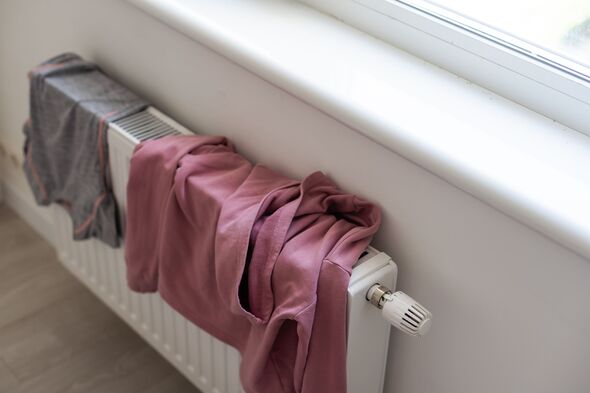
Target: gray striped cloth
[66,154]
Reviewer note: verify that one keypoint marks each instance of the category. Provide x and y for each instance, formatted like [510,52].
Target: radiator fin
[146,125]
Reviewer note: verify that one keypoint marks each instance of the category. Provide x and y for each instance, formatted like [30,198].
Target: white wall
[510,305]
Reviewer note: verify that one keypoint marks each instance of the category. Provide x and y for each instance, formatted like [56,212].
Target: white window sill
[518,161]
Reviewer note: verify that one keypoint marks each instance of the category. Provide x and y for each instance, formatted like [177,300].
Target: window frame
[532,79]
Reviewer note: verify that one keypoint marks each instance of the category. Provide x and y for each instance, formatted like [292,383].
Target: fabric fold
[151,187]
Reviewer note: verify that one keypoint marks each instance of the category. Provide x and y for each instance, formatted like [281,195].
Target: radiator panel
[209,364]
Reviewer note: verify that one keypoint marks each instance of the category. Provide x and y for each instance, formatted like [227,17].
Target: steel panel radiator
[208,363]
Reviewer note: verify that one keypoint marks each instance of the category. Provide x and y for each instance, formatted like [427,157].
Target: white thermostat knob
[400,310]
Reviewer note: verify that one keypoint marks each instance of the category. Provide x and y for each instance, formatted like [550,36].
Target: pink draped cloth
[260,261]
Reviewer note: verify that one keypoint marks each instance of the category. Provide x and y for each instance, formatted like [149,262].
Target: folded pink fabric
[260,261]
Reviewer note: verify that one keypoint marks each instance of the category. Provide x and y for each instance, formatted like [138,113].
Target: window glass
[560,27]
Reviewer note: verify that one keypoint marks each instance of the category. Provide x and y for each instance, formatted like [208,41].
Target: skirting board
[23,203]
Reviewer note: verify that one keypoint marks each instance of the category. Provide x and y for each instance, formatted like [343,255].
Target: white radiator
[208,363]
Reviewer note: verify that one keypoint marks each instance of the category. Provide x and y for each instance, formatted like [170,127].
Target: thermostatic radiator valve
[400,310]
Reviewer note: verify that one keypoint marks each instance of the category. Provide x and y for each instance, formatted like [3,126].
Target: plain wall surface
[510,305]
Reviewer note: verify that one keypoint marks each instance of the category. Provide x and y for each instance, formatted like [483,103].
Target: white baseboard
[23,203]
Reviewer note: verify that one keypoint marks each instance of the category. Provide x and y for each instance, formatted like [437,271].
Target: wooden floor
[56,336]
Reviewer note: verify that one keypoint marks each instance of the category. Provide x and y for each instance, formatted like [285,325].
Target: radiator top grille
[146,125]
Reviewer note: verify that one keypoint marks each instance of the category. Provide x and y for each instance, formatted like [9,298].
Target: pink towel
[260,261]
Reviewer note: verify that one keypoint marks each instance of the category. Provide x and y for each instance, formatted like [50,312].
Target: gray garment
[66,154]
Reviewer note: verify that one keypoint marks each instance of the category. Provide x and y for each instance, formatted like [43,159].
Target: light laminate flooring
[57,337]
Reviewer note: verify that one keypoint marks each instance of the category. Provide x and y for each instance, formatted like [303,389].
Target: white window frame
[511,68]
